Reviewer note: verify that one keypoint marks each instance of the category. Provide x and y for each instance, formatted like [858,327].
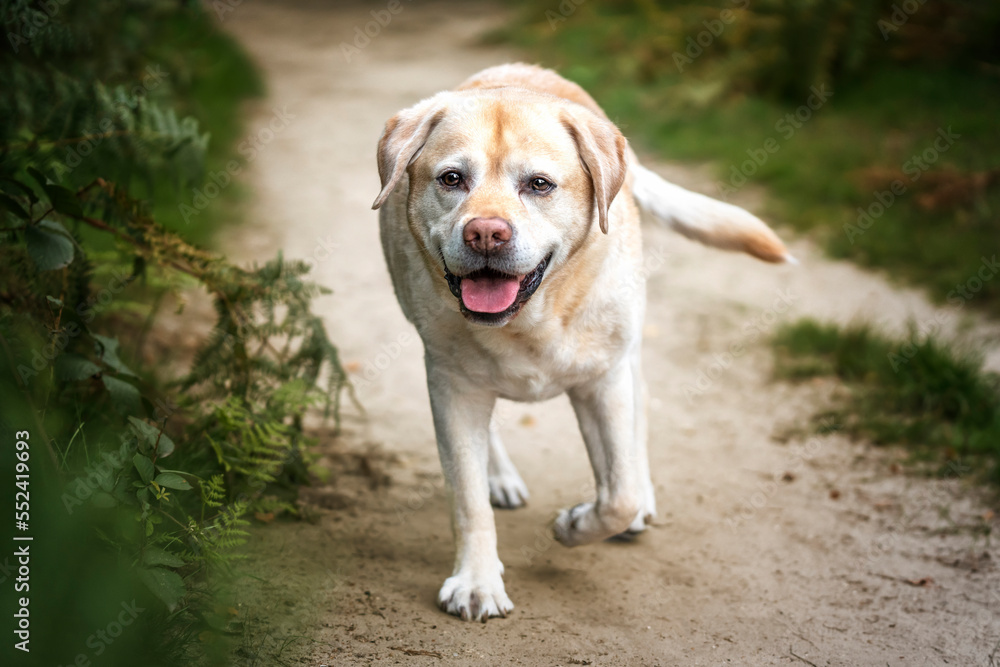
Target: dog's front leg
[462,413]
[606,412]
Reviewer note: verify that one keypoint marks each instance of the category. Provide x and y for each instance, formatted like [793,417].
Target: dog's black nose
[484,235]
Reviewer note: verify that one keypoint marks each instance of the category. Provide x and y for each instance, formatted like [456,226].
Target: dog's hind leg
[507,489]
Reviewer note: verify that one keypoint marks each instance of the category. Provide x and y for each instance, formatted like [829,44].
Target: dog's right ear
[404,137]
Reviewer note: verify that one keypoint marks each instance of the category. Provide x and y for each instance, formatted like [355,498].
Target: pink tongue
[489,295]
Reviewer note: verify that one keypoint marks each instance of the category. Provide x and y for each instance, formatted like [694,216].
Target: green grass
[211,78]
[852,146]
[919,392]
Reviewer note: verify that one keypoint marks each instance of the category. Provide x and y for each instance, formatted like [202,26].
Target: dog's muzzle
[491,297]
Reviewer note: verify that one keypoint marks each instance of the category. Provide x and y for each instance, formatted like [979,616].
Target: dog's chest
[548,361]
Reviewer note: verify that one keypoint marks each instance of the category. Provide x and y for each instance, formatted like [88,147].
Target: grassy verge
[893,165]
[918,392]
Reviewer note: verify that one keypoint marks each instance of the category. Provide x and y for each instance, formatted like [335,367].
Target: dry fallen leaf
[528,420]
[923,581]
[264,517]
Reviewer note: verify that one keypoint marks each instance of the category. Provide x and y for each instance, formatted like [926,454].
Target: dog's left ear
[402,140]
[602,150]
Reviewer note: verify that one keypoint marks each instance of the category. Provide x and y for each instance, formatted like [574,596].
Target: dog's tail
[707,220]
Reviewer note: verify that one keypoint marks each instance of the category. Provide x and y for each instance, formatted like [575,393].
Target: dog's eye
[541,185]
[450,178]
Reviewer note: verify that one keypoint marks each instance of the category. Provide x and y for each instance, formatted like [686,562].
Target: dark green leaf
[9,185]
[124,396]
[109,354]
[48,250]
[56,227]
[74,367]
[10,204]
[149,435]
[172,480]
[145,467]
[39,177]
[165,447]
[157,556]
[123,493]
[164,584]
[64,200]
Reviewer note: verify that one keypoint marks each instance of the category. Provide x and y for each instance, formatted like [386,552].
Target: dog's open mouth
[488,296]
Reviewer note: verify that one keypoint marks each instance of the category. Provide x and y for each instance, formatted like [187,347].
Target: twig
[799,657]
[923,582]
[416,651]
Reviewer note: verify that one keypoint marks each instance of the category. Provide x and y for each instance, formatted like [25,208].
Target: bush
[139,487]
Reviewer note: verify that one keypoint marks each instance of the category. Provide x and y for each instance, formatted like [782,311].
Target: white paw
[474,598]
[567,528]
[645,515]
[638,525]
[508,490]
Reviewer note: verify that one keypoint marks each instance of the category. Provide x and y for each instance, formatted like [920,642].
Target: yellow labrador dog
[510,227]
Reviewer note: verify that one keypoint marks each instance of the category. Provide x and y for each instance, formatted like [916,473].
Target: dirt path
[771,548]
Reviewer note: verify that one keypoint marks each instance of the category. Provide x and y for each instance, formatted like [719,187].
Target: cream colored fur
[580,332]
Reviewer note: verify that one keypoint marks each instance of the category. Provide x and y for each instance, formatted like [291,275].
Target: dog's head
[504,185]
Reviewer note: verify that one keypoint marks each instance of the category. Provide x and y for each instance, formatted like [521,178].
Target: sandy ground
[772,547]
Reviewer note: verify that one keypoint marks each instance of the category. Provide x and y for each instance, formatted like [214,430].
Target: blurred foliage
[126,90]
[717,80]
[918,392]
[139,488]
